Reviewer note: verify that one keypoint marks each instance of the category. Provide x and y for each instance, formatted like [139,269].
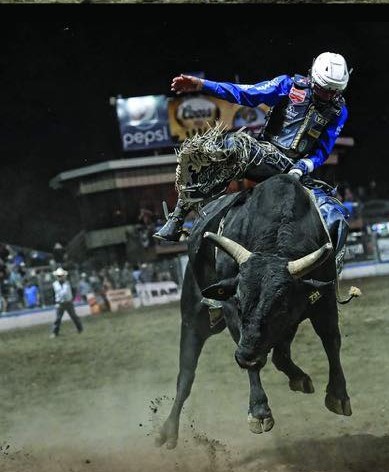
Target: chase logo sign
[249,117]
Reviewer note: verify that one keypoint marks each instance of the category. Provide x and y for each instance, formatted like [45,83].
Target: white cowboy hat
[60,272]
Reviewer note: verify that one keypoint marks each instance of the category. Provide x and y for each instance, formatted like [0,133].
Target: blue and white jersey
[298,126]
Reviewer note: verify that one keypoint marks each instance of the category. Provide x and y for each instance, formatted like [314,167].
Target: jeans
[60,310]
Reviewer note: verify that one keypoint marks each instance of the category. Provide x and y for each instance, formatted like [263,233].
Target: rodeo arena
[114,262]
[128,288]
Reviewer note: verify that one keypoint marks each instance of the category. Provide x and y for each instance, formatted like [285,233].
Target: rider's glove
[300,168]
[295,173]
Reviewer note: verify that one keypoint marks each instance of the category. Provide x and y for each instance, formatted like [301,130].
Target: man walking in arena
[63,302]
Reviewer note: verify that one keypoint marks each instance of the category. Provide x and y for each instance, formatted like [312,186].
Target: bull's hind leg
[325,323]
[298,379]
[195,330]
[190,349]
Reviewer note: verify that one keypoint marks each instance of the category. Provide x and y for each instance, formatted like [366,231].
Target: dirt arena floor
[93,402]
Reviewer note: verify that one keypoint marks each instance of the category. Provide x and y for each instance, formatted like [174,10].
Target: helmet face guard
[323,94]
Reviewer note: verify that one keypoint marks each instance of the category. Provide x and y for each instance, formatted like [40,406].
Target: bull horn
[302,266]
[235,250]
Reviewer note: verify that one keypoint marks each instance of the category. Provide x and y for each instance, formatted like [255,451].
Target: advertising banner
[143,122]
[155,121]
[383,249]
[154,293]
[196,113]
[360,247]
[120,299]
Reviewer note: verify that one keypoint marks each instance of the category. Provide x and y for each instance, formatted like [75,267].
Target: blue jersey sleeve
[327,140]
[269,92]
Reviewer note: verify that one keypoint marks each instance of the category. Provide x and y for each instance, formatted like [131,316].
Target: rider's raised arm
[268,91]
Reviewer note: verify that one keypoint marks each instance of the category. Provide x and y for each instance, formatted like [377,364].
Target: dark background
[60,64]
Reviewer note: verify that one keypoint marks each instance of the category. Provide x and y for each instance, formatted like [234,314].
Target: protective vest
[297,122]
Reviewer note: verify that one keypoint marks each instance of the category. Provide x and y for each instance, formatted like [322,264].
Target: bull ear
[222,290]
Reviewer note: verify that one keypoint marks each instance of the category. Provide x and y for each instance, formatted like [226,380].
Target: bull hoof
[260,425]
[171,443]
[340,407]
[165,438]
[302,384]
[160,440]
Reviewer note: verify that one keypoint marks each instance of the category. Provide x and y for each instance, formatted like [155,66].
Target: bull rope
[353,291]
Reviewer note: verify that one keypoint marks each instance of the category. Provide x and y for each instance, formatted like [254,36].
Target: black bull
[275,253]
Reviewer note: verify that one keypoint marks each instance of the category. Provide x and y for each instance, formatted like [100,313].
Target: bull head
[297,268]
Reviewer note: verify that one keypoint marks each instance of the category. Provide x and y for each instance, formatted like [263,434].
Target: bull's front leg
[260,418]
[325,323]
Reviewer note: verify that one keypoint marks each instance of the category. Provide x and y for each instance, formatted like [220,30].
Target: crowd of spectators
[26,276]
[26,281]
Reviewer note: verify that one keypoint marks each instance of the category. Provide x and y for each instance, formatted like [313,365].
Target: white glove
[300,168]
[296,173]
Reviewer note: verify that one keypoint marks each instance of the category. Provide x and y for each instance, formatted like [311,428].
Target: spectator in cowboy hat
[63,302]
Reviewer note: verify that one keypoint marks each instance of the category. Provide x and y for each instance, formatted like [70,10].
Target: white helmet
[329,71]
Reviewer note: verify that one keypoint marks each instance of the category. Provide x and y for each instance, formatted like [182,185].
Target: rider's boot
[172,229]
